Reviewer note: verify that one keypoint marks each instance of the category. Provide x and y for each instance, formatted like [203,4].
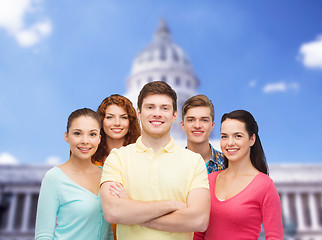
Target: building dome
[161,54]
[163,60]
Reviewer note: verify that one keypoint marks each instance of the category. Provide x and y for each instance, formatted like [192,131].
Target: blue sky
[262,56]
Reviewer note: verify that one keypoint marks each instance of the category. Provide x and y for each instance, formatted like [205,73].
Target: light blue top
[68,211]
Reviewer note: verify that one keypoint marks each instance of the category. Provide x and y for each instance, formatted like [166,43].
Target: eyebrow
[235,133]
[153,104]
[148,104]
[114,114]
[76,129]
[202,117]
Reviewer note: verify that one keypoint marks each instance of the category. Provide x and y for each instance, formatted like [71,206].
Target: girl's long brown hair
[134,127]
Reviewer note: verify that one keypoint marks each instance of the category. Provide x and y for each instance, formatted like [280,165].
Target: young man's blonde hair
[198,101]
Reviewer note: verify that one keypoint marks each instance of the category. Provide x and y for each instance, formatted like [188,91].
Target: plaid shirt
[216,162]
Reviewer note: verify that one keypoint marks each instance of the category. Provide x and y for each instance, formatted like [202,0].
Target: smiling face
[116,123]
[235,142]
[198,124]
[156,115]
[83,137]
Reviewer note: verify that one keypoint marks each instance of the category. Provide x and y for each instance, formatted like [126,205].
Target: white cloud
[31,36]
[280,87]
[53,160]
[13,19]
[7,158]
[311,53]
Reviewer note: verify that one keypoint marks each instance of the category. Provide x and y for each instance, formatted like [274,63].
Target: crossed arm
[169,215]
[129,212]
[193,218]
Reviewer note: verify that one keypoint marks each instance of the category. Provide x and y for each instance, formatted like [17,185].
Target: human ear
[66,137]
[182,125]
[252,140]
[138,112]
[175,114]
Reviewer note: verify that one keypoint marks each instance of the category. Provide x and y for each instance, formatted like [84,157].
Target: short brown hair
[157,87]
[134,127]
[198,101]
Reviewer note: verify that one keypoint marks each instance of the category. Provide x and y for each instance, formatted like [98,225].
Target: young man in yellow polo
[154,189]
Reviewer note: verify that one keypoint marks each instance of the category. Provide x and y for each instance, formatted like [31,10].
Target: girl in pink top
[243,196]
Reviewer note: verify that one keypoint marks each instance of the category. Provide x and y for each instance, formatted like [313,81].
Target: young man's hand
[117,190]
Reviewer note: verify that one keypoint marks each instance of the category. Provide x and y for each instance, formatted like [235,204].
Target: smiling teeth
[231,150]
[156,123]
[117,130]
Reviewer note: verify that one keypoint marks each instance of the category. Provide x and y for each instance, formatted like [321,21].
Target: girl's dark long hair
[257,155]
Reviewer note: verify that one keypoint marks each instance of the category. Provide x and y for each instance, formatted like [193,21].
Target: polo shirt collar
[142,148]
[170,146]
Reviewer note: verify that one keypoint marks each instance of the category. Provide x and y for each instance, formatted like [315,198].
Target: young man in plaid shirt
[198,120]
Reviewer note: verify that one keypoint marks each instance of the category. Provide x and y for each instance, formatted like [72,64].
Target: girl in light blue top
[69,205]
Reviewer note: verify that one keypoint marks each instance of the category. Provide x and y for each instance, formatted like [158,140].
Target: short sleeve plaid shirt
[216,162]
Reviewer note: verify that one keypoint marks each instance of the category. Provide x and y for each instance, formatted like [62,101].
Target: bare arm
[126,211]
[194,218]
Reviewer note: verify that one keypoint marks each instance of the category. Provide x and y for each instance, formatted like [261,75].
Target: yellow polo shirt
[171,173]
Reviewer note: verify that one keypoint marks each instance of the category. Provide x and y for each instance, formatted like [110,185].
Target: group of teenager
[136,179]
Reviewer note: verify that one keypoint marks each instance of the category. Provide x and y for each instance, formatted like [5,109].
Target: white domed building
[163,60]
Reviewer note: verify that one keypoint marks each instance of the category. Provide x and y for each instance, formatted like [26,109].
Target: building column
[11,214]
[285,206]
[313,212]
[26,212]
[299,212]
